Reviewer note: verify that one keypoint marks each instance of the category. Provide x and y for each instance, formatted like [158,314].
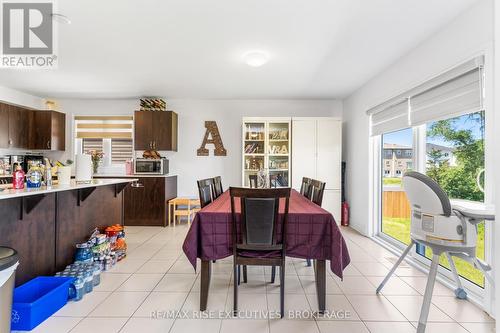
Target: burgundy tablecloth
[311,233]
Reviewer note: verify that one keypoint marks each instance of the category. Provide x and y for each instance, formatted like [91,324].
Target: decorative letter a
[213,131]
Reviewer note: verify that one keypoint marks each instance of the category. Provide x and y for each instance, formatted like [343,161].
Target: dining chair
[217,188]
[315,194]
[205,191]
[252,181]
[262,240]
[317,188]
[305,186]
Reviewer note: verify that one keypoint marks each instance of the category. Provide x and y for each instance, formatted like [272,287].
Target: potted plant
[96,156]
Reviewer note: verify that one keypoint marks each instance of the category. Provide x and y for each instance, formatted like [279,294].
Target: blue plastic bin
[37,300]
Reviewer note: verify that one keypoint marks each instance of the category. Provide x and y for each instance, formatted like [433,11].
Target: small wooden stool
[192,206]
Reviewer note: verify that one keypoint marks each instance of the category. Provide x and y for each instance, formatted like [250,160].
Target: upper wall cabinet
[4,126]
[31,129]
[13,126]
[18,127]
[155,130]
[47,130]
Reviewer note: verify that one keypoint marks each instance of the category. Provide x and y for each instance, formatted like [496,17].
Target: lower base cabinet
[146,201]
[44,229]
[32,235]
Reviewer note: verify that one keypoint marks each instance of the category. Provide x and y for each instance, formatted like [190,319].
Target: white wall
[192,115]
[19,98]
[468,35]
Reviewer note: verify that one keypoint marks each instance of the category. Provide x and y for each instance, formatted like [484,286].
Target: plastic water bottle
[79,289]
[96,275]
[89,281]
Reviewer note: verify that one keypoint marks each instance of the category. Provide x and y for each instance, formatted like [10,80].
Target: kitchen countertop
[11,193]
[111,175]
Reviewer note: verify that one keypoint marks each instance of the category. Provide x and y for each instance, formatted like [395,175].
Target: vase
[95,166]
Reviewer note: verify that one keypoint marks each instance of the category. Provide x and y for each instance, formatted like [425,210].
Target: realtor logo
[27,34]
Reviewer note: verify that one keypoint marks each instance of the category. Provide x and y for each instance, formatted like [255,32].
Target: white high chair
[445,228]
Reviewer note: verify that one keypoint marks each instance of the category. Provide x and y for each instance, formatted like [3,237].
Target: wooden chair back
[305,187]
[205,191]
[218,190]
[259,214]
[316,191]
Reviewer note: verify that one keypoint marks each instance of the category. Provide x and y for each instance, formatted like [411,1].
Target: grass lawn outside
[399,228]
[392,181]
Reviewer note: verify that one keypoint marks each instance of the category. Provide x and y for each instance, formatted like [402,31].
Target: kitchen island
[44,224]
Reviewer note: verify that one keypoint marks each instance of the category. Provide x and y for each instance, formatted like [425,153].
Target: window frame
[107,162]
[483,297]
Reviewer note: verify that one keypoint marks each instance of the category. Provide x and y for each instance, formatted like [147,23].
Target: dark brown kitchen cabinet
[31,129]
[47,130]
[13,126]
[146,200]
[143,130]
[33,236]
[155,130]
[4,126]
[18,127]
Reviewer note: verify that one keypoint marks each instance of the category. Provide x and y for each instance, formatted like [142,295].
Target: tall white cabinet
[317,154]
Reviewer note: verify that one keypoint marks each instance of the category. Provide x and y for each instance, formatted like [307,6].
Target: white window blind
[390,118]
[458,96]
[104,127]
[453,93]
[90,144]
[110,134]
[121,150]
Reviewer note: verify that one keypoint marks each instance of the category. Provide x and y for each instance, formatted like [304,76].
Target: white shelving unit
[266,145]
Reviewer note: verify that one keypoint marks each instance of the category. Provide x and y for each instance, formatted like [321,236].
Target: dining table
[311,233]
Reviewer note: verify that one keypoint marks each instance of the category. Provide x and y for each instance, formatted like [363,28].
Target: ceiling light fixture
[256,58]
[60,18]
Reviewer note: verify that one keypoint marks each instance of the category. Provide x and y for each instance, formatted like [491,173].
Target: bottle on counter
[18,178]
[48,173]
[34,177]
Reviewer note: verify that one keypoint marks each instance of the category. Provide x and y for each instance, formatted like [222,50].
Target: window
[92,144]
[110,134]
[395,221]
[464,136]
[121,150]
[442,124]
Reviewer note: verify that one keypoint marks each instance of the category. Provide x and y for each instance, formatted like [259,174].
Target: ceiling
[194,48]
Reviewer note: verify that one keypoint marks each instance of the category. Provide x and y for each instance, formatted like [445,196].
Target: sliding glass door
[455,160]
[397,158]
[450,151]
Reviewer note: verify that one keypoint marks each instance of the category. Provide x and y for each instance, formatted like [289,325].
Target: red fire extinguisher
[345,214]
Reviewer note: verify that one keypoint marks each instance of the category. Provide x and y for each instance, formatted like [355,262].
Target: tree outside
[465,135]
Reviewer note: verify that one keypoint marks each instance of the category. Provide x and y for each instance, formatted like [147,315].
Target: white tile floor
[156,276]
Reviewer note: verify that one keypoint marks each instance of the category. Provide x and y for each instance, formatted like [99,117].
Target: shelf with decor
[266,146]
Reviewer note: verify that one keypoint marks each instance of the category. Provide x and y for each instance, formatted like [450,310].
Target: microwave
[147,166]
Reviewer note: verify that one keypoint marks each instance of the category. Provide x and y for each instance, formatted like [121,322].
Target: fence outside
[395,203]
